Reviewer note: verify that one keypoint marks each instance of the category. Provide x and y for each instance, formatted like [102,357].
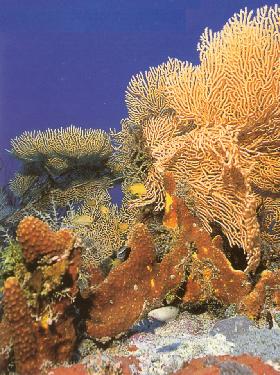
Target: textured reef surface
[183,277]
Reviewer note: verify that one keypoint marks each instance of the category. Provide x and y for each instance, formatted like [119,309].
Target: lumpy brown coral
[21,328]
[37,239]
[211,276]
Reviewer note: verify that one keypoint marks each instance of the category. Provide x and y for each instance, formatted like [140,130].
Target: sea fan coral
[221,140]
[269,216]
[21,184]
[60,149]
[98,224]
[146,93]
[237,81]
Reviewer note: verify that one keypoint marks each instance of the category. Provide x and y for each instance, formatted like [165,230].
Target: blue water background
[68,62]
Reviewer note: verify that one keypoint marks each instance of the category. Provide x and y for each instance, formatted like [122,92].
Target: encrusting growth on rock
[265,295]
[134,286]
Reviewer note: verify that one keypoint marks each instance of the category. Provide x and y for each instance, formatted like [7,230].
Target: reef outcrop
[197,160]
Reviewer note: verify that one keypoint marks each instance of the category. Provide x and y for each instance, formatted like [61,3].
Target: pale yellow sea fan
[65,143]
[269,215]
[237,82]
[84,190]
[211,172]
[159,131]
[146,93]
[264,170]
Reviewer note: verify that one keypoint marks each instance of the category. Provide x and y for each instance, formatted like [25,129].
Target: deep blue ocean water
[68,62]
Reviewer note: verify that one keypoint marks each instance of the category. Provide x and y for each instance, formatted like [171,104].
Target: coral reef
[197,160]
[60,166]
[39,296]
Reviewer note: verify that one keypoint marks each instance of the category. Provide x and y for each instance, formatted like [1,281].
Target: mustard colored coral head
[37,239]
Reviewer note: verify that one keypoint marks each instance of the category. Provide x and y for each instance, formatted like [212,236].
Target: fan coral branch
[145,95]
[20,184]
[5,209]
[237,82]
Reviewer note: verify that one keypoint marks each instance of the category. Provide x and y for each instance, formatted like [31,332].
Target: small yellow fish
[123,227]
[137,189]
[45,321]
[104,210]
[82,220]
[92,202]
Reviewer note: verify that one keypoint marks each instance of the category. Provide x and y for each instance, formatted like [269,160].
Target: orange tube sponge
[37,239]
[266,294]
[21,326]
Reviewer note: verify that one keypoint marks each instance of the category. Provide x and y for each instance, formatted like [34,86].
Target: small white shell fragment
[164,314]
